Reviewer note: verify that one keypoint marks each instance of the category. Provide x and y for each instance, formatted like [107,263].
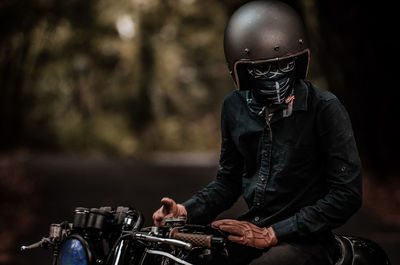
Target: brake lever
[57,233]
[45,242]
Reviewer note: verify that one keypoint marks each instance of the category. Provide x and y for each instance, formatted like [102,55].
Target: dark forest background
[130,78]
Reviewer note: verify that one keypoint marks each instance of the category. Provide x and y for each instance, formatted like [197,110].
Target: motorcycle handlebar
[183,240]
[175,242]
[195,239]
[199,240]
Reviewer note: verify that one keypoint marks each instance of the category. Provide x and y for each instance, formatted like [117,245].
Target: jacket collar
[301,96]
[299,102]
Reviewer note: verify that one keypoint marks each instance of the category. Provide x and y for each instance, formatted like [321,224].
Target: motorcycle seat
[346,250]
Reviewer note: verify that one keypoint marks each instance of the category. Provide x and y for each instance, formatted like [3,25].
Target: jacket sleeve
[342,173]
[221,193]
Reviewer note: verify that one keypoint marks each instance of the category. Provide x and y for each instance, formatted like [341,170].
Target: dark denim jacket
[299,174]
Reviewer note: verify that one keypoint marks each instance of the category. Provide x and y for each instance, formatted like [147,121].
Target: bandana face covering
[271,84]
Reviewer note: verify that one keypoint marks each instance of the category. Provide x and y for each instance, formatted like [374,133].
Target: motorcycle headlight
[73,252]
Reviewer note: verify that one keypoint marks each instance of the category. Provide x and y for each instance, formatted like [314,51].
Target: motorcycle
[110,236]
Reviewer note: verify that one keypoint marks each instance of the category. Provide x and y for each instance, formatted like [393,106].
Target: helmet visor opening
[244,69]
[258,70]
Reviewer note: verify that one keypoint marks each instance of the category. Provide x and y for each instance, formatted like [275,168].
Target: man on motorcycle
[287,147]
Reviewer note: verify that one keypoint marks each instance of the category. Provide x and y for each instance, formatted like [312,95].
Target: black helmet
[264,31]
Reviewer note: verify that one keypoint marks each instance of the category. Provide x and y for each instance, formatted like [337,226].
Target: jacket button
[258,204]
[256,218]
[262,178]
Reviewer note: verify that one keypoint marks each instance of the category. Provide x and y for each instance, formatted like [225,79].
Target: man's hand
[168,209]
[246,233]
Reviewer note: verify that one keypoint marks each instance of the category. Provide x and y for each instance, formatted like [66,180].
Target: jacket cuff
[190,206]
[285,228]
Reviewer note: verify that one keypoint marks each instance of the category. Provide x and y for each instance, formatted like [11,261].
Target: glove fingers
[217,224]
[236,239]
[231,229]
[168,205]
[158,223]
[170,215]
[157,215]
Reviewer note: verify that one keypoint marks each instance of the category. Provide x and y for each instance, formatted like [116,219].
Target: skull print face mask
[272,83]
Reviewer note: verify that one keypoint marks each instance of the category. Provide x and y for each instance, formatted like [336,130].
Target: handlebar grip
[194,239]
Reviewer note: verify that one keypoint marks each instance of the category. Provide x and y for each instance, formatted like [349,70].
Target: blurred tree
[138,76]
[123,77]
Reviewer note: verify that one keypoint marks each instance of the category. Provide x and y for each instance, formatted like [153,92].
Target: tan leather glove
[246,233]
[168,209]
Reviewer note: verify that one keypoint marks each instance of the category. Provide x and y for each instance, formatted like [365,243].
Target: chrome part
[44,241]
[165,254]
[154,230]
[55,231]
[174,242]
